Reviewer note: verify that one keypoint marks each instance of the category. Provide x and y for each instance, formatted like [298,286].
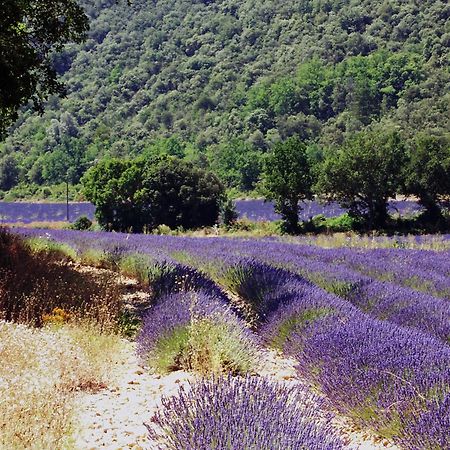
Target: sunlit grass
[204,347]
[374,241]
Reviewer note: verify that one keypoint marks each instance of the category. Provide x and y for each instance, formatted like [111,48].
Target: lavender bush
[375,372]
[241,414]
[431,430]
[195,331]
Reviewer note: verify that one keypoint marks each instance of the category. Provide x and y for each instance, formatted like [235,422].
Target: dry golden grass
[336,240]
[39,373]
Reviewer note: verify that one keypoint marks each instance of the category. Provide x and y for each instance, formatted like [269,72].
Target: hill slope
[242,71]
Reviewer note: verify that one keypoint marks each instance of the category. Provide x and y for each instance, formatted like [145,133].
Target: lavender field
[22,212]
[369,330]
[255,210]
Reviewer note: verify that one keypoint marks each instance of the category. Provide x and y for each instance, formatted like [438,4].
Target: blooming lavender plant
[241,414]
[194,330]
[431,430]
[376,372]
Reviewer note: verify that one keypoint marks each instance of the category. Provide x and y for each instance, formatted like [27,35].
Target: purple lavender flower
[431,430]
[239,414]
[193,330]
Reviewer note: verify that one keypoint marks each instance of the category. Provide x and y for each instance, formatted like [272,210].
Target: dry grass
[44,224]
[37,277]
[39,374]
[337,240]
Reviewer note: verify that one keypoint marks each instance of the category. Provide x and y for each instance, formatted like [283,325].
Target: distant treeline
[219,83]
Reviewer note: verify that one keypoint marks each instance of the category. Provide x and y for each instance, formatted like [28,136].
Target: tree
[288,179]
[110,186]
[9,172]
[363,174]
[145,193]
[427,174]
[30,32]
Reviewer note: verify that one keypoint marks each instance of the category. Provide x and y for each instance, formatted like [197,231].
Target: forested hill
[224,79]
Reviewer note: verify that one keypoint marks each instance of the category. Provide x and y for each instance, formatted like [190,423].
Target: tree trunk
[432,213]
[289,213]
[377,214]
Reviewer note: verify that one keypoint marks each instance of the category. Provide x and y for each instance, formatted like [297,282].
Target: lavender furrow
[385,374]
[383,300]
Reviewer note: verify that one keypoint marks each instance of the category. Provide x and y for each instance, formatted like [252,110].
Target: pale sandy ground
[114,418]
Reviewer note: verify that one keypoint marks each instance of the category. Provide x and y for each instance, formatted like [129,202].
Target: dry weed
[39,373]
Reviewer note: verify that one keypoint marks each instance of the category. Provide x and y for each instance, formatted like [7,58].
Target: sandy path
[114,418]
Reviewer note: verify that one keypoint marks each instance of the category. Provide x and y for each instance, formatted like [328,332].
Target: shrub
[241,413]
[228,214]
[36,278]
[343,223]
[194,331]
[260,286]
[83,223]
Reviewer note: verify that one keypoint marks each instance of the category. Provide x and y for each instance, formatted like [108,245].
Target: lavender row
[258,210]
[255,210]
[384,376]
[398,378]
[242,413]
[419,269]
[194,330]
[384,300]
[11,212]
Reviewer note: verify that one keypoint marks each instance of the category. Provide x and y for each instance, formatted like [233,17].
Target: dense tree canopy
[9,172]
[239,74]
[144,193]
[288,180]
[427,174]
[364,173]
[30,31]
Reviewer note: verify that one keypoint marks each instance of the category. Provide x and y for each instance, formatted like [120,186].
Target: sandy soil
[114,418]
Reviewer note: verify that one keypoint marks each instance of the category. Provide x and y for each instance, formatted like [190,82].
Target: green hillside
[218,82]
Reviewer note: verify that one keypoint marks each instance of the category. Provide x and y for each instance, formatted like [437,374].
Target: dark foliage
[364,173]
[288,180]
[83,223]
[30,32]
[427,175]
[142,194]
